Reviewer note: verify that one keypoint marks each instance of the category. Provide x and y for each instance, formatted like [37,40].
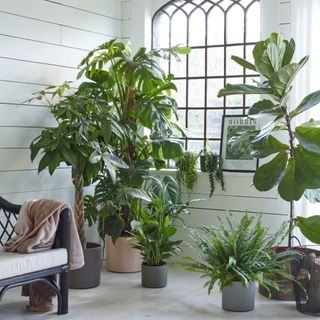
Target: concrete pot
[237,298]
[121,257]
[154,276]
[89,275]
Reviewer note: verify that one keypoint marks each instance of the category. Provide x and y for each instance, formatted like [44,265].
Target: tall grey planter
[238,298]
[154,276]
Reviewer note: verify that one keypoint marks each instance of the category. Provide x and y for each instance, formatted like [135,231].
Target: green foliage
[154,225]
[238,252]
[295,164]
[187,170]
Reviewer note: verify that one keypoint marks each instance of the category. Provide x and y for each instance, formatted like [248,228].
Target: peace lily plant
[294,163]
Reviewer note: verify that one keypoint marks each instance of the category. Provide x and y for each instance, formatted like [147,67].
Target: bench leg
[64,290]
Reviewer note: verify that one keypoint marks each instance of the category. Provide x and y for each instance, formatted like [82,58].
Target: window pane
[234,111]
[195,145]
[196,93]
[232,67]
[182,118]
[180,95]
[214,121]
[179,68]
[179,28]
[161,30]
[213,87]
[215,61]
[197,28]
[196,123]
[235,25]
[237,100]
[253,23]
[216,26]
[196,62]
[215,145]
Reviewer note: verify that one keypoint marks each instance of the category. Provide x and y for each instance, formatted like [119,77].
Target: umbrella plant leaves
[268,175]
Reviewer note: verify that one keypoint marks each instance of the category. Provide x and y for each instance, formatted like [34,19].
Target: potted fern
[155,227]
[236,256]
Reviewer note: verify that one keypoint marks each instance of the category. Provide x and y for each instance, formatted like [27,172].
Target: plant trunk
[77,179]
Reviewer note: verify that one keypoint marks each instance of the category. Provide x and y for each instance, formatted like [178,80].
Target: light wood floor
[121,297]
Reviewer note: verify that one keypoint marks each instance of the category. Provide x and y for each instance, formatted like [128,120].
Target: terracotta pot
[121,257]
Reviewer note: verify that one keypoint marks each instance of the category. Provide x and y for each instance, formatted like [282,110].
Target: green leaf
[181,50]
[114,225]
[265,107]
[233,89]
[307,103]
[265,147]
[261,59]
[268,175]
[45,161]
[309,227]
[309,138]
[313,195]
[244,63]
[69,156]
[289,189]
[172,149]
[307,168]
[288,55]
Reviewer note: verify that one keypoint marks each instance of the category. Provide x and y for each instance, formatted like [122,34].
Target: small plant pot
[212,165]
[238,298]
[154,276]
[306,270]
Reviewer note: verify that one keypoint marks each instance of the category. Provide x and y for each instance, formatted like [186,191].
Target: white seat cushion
[14,264]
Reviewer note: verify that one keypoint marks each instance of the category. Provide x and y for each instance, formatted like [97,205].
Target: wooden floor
[121,297]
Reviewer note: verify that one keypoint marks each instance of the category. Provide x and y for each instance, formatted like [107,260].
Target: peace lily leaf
[265,147]
[289,189]
[244,63]
[264,107]
[268,175]
[233,89]
[309,138]
[307,103]
[307,168]
[313,195]
[309,227]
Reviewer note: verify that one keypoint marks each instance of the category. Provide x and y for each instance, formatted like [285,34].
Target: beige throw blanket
[36,229]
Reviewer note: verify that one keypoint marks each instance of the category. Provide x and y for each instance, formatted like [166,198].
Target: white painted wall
[240,195]
[42,42]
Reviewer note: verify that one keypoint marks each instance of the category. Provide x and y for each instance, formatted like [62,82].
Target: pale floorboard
[121,297]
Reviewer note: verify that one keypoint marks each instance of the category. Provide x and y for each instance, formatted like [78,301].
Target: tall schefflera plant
[294,166]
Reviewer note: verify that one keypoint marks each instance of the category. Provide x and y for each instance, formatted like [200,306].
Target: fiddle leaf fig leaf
[309,227]
[268,175]
[307,103]
[265,107]
[266,130]
[244,63]
[288,55]
[307,168]
[289,189]
[309,138]
[265,147]
[233,89]
[261,59]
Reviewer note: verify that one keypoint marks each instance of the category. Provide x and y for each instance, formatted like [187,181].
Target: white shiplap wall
[240,195]
[42,42]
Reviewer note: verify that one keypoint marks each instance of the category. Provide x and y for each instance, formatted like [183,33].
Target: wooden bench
[18,269]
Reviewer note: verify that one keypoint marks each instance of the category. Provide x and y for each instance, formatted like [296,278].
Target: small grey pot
[154,276]
[238,298]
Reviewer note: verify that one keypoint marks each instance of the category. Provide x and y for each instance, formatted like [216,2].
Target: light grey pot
[237,298]
[154,276]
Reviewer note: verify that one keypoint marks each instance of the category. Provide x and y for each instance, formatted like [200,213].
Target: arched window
[215,30]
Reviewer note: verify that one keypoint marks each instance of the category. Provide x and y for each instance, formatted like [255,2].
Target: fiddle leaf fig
[244,63]
[233,89]
[265,147]
[309,138]
[269,175]
[307,103]
[264,107]
[309,227]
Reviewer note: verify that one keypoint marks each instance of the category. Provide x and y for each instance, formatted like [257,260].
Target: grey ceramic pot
[237,298]
[154,276]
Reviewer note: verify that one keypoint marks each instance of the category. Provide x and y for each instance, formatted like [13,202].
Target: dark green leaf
[309,227]
[268,175]
[309,138]
[172,149]
[265,107]
[69,156]
[114,225]
[290,48]
[289,189]
[266,147]
[307,103]
[244,63]
[233,89]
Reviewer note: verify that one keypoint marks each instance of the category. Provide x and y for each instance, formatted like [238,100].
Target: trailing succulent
[294,148]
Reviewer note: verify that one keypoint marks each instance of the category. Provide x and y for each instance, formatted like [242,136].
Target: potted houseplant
[236,256]
[154,228]
[187,166]
[295,155]
[80,131]
[137,91]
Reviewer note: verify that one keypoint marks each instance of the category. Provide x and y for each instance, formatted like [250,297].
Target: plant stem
[290,224]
